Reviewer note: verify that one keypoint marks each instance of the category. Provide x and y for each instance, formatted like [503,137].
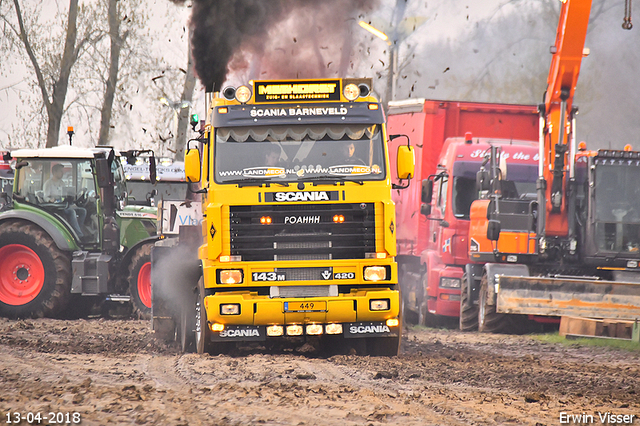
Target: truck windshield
[297,153]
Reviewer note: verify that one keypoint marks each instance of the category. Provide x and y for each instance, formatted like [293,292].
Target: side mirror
[405,162]
[493,230]
[427,191]
[103,173]
[425,209]
[483,180]
[192,165]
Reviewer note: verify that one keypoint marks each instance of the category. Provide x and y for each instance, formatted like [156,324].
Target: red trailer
[432,238]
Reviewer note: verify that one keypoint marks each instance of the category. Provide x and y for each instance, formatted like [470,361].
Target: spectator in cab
[54,191]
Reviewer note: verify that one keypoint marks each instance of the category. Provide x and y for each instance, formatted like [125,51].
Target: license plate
[305,306]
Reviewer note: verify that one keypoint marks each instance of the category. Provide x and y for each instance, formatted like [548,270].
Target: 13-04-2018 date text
[49,418]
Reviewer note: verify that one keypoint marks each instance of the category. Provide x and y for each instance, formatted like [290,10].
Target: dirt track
[115,372]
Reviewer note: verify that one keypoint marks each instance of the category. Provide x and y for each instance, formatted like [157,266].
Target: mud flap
[162,317]
[174,276]
[241,333]
[572,297]
[354,330]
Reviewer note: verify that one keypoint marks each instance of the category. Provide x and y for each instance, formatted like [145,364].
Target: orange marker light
[265,220]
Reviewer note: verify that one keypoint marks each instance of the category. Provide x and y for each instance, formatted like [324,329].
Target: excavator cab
[613,215]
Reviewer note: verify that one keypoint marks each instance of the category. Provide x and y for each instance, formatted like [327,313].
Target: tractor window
[119,179]
[65,188]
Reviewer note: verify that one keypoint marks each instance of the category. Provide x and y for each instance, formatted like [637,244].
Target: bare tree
[53,95]
[117,40]
[184,115]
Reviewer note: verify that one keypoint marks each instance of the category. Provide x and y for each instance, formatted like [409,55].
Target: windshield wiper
[254,182]
[333,180]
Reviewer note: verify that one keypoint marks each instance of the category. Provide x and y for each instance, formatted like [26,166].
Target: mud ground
[115,372]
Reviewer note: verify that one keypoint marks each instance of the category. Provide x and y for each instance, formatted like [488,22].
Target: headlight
[243,94]
[230,276]
[351,92]
[230,309]
[375,273]
[379,304]
[446,282]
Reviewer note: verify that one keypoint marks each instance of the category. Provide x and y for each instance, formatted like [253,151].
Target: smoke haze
[256,39]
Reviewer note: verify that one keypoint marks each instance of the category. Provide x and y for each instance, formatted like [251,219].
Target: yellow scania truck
[297,242]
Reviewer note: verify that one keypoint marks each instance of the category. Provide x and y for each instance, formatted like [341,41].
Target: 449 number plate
[305,306]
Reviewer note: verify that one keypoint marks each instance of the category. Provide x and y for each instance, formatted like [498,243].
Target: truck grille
[302,231]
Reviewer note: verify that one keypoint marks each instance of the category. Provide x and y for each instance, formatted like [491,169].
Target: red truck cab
[433,249]
[454,189]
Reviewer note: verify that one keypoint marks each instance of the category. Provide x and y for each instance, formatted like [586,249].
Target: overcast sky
[465,50]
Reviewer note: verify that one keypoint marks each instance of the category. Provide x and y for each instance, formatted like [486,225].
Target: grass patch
[555,338]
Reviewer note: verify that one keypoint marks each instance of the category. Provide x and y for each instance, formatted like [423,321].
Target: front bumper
[352,311]
[260,333]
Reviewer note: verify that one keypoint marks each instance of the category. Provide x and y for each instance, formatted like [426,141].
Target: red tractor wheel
[35,276]
[21,275]
[140,281]
[144,284]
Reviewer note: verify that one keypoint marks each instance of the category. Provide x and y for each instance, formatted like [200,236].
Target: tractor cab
[62,184]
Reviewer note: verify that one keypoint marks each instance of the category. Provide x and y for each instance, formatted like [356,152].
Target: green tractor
[68,232]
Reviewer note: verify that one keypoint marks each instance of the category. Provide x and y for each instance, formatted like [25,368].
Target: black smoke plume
[256,39]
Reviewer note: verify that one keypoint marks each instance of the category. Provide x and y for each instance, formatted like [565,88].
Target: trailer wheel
[139,280]
[426,318]
[468,311]
[35,276]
